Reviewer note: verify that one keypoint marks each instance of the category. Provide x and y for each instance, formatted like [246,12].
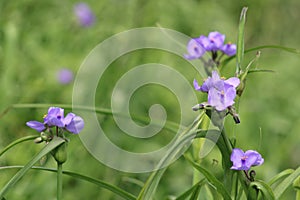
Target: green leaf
[262,187]
[211,179]
[48,148]
[183,139]
[99,183]
[288,181]
[240,40]
[280,176]
[18,141]
[187,193]
[287,49]
[260,70]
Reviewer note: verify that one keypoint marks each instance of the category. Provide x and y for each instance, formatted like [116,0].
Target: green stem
[59,181]
[20,140]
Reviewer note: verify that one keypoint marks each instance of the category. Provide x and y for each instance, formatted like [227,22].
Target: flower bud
[38,140]
[60,153]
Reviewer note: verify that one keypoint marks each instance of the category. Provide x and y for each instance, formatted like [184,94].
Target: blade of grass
[49,147]
[99,183]
[280,176]
[240,40]
[18,141]
[184,138]
[264,188]
[187,193]
[288,181]
[211,179]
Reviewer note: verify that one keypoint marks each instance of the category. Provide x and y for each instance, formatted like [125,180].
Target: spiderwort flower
[213,42]
[244,160]
[229,49]
[221,93]
[84,14]
[195,49]
[55,118]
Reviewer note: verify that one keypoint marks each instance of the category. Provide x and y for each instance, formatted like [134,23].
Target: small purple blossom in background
[55,118]
[65,76]
[195,49]
[229,49]
[244,161]
[221,93]
[84,14]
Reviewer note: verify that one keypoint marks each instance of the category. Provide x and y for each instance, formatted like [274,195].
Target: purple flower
[195,49]
[229,49]
[54,117]
[65,76]
[221,93]
[73,123]
[84,14]
[213,42]
[244,161]
[36,125]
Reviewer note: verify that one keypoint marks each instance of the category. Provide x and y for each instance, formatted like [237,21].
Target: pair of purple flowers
[221,93]
[55,118]
[214,42]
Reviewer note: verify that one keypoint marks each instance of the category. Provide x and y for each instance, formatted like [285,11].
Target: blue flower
[195,49]
[244,161]
[221,93]
[55,118]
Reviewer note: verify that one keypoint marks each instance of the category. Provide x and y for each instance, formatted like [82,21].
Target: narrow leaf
[280,176]
[211,179]
[49,147]
[99,183]
[288,181]
[183,139]
[240,40]
[18,141]
[187,193]
[264,188]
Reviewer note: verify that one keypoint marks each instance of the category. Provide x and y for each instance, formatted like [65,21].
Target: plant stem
[59,181]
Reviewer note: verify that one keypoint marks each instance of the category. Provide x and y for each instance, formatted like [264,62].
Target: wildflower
[65,76]
[55,118]
[229,49]
[84,14]
[195,49]
[213,42]
[244,161]
[221,93]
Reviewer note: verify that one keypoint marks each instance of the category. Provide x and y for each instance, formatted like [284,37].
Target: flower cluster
[221,93]
[55,118]
[214,42]
[245,160]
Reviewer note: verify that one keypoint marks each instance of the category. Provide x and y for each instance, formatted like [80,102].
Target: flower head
[84,14]
[229,49]
[221,93]
[213,42]
[55,118]
[244,160]
[64,76]
[195,49]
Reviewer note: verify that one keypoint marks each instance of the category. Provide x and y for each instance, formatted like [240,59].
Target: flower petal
[233,81]
[36,125]
[76,125]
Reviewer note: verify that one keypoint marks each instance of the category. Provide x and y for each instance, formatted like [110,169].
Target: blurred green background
[37,38]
